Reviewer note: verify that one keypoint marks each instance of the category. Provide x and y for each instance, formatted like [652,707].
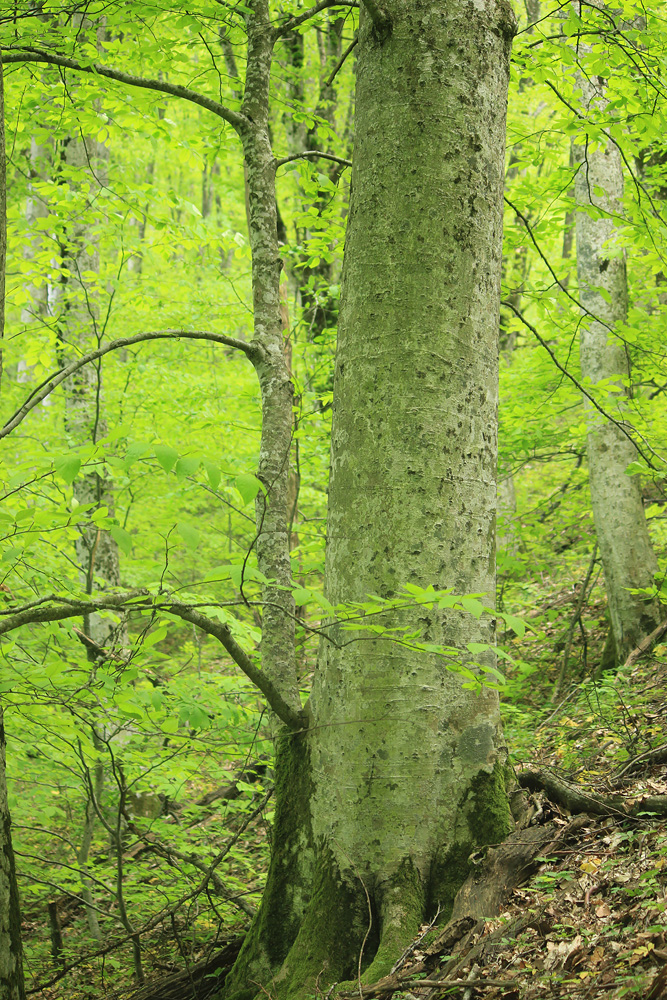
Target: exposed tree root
[504,868]
[646,643]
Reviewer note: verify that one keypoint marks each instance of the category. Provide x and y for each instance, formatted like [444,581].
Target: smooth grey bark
[625,546]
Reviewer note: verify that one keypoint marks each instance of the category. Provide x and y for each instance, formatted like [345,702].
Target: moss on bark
[401,912]
[331,936]
[485,808]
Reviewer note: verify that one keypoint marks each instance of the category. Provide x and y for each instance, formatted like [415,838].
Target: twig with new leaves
[60,608]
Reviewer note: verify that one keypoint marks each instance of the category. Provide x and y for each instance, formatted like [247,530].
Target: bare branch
[529,229]
[578,384]
[332,75]
[294,22]
[313,153]
[24,55]
[252,351]
[293,719]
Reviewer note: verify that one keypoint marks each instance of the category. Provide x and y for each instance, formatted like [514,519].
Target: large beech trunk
[401,773]
[625,547]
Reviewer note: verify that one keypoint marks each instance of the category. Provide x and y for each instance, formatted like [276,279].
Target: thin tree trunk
[3,216]
[11,949]
[625,547]
[84,850]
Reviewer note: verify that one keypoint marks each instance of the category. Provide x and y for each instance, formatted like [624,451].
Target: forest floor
[592,919]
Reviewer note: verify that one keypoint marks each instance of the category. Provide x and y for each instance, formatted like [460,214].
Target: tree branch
[314,153]
[572,379]
[252,352]
[293,719]
[332,75]
[236,120]
[294,22]
[529,230]
[17,617]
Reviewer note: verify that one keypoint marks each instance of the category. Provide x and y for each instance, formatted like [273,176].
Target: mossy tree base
[353,923]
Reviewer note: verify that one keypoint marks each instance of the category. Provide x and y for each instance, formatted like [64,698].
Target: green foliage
[178,434]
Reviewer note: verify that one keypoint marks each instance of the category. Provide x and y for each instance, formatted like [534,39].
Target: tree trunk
[11,952]
[11,949]
[402,773]
[625,547]
[75,304]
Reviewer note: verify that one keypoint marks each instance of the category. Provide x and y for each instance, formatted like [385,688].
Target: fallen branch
[575,800]
[646,644]
[656,756]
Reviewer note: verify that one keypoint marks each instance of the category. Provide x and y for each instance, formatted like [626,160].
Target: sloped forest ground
[580,893]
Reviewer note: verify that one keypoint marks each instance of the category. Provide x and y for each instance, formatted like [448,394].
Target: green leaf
[517,626]
[187,466]
[473,606]
[157,636]
[122,538]
[135,451]
[189,534]
[67,467]
[166,456]
[213,473]
[449,601]
[198,718]
[248,486]
[494,672]
[323,603]
[301,596]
